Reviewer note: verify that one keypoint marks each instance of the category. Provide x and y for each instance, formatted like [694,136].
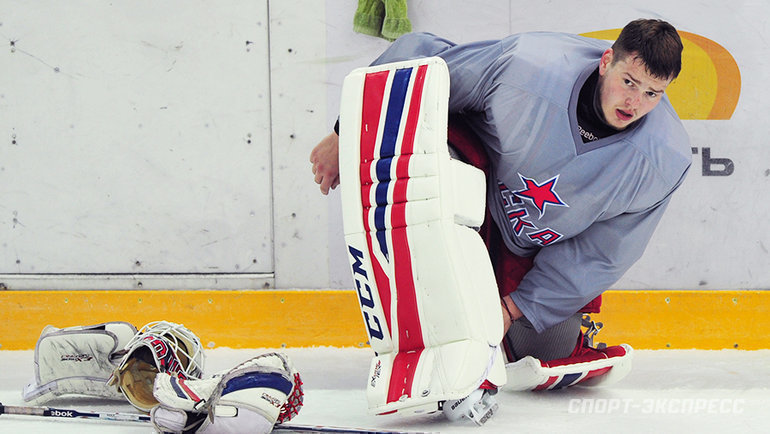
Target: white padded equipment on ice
[77,361]
[426,287]
[251,397]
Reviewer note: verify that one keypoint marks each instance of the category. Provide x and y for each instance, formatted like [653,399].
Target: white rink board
[135,137]
[174,138]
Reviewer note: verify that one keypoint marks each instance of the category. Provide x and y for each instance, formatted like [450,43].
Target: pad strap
[77,360]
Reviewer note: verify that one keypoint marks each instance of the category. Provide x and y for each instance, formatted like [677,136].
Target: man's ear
[605,61]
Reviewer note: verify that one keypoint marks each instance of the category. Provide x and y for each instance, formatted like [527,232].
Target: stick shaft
[143,418]
[72,414]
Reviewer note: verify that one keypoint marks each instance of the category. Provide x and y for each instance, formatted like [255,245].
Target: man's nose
[633,99]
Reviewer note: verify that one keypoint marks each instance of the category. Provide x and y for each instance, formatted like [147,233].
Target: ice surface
[677,391]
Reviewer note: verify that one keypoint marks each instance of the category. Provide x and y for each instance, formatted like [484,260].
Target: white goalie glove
[77,361]
[252,397]
[159,347]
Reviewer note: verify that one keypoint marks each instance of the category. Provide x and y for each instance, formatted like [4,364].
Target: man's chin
[620,126]
[617,125]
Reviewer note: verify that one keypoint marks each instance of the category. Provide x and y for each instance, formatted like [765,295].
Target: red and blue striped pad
[399,210]
[391,108]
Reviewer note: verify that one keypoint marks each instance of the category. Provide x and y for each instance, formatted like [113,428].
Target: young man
[582,152]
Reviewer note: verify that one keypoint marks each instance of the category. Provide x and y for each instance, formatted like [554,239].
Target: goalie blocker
[77,361]
[425,284]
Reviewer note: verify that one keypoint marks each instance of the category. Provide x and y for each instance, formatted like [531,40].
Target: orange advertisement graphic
[710,82]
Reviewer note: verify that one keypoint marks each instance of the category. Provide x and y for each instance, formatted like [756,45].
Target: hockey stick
[143,418]
[72,414]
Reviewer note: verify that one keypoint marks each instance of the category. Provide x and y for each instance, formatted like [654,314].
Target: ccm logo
[365,294]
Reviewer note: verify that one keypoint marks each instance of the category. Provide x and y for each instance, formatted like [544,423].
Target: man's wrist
[507,309]
[510,307]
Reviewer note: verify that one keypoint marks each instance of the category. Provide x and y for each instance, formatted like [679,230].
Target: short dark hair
[654,42]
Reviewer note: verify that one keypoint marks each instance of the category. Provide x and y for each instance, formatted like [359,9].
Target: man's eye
[628,82]
[652,94]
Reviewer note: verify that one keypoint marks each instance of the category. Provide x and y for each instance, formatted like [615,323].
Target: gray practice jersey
[586,210]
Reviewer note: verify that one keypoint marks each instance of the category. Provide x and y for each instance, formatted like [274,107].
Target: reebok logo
[587,135]
[59,413]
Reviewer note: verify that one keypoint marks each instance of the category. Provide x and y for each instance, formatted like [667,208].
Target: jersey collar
[580,147]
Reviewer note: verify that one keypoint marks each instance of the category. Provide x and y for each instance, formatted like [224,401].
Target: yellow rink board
[304,318]
[706,320]
[235,319]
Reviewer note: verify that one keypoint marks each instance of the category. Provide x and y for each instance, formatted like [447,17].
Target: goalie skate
[479,406]
[586,366]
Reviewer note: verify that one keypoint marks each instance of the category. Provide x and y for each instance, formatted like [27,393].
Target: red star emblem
[540,194]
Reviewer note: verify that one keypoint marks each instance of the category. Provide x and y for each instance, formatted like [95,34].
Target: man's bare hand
[326,165]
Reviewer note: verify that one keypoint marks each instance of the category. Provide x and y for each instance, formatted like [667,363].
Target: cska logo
[540,195]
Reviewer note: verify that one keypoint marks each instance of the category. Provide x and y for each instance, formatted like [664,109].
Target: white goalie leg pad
[251,397]
[77,361]
[426,287]
[530,373]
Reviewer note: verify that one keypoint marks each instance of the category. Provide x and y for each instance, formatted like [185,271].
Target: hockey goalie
[412,209]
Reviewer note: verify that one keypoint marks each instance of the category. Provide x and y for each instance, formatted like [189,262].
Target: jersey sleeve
[568,275]
[471,66]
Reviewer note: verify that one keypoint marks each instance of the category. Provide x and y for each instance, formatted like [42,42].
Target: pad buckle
[479,407]
[593,330]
